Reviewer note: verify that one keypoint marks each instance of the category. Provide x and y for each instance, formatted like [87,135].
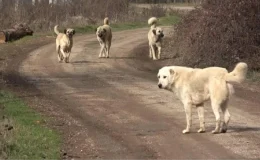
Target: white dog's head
[158,32]
[69,32]
[166,77]
[100,32]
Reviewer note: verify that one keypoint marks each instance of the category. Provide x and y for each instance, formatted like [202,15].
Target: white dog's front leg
[159,52]
[105,52]
[67,59]
[101,50]
[63,53]
[187,108]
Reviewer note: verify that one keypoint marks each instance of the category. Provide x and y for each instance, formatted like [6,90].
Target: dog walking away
[195,86]
[64,43]
[155,36]
[104,36]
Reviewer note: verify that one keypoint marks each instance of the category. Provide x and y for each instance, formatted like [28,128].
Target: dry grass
[221,33]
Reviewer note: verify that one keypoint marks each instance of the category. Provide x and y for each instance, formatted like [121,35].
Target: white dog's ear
[154,31]
[65,31]
[172,72]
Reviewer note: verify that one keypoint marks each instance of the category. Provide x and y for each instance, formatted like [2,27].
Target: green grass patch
[90,29]
[26,38]
[163,21]
[169,20]
[30,138]
[254,76]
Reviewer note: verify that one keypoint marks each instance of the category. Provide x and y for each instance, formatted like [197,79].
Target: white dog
[104,36]
[64,43]
[195,86]
[155,36]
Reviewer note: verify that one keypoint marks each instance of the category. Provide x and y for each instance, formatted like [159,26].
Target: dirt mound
[220,33]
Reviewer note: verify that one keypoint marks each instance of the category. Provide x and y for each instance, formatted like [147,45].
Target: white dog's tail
[56,29]
[106,21]
[152,22]
[238,75]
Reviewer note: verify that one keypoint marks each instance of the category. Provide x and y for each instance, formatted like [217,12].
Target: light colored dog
[64,43]
[104,36]
[195,86]
[155,36]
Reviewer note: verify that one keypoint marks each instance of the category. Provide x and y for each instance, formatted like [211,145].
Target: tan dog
[64,43]
[195,86]
[104,36]
[155,36]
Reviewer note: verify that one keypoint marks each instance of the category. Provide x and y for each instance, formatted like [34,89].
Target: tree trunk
[17,32]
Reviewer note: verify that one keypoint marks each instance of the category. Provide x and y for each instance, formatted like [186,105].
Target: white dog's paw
[223,130]
[185,131]
[67,59]
[155,59]
[215,131]
[201,130]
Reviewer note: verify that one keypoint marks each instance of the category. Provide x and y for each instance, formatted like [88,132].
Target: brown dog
[64,43]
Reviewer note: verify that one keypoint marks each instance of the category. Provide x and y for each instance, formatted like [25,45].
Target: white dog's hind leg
[150,51]
[200,109]
[153,52]
[108,49]
[215,108]
[226,116]
[58,51]
[187,108]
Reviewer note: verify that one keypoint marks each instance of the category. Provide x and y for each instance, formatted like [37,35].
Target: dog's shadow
[81,62]
[122,57]
[243,129]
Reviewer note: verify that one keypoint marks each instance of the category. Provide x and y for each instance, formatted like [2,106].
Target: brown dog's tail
[238,75]
[152,22]
[56,29]
[106,21]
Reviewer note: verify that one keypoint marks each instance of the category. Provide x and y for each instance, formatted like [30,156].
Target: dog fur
[104,36]
[155,36]
[64,43]
[195,86]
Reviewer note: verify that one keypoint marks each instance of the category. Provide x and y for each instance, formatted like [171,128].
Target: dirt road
[112,108]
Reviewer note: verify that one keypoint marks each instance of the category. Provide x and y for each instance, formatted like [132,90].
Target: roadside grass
[24,134]
[254,76]
[168,5]
[163,21]
[90,29]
